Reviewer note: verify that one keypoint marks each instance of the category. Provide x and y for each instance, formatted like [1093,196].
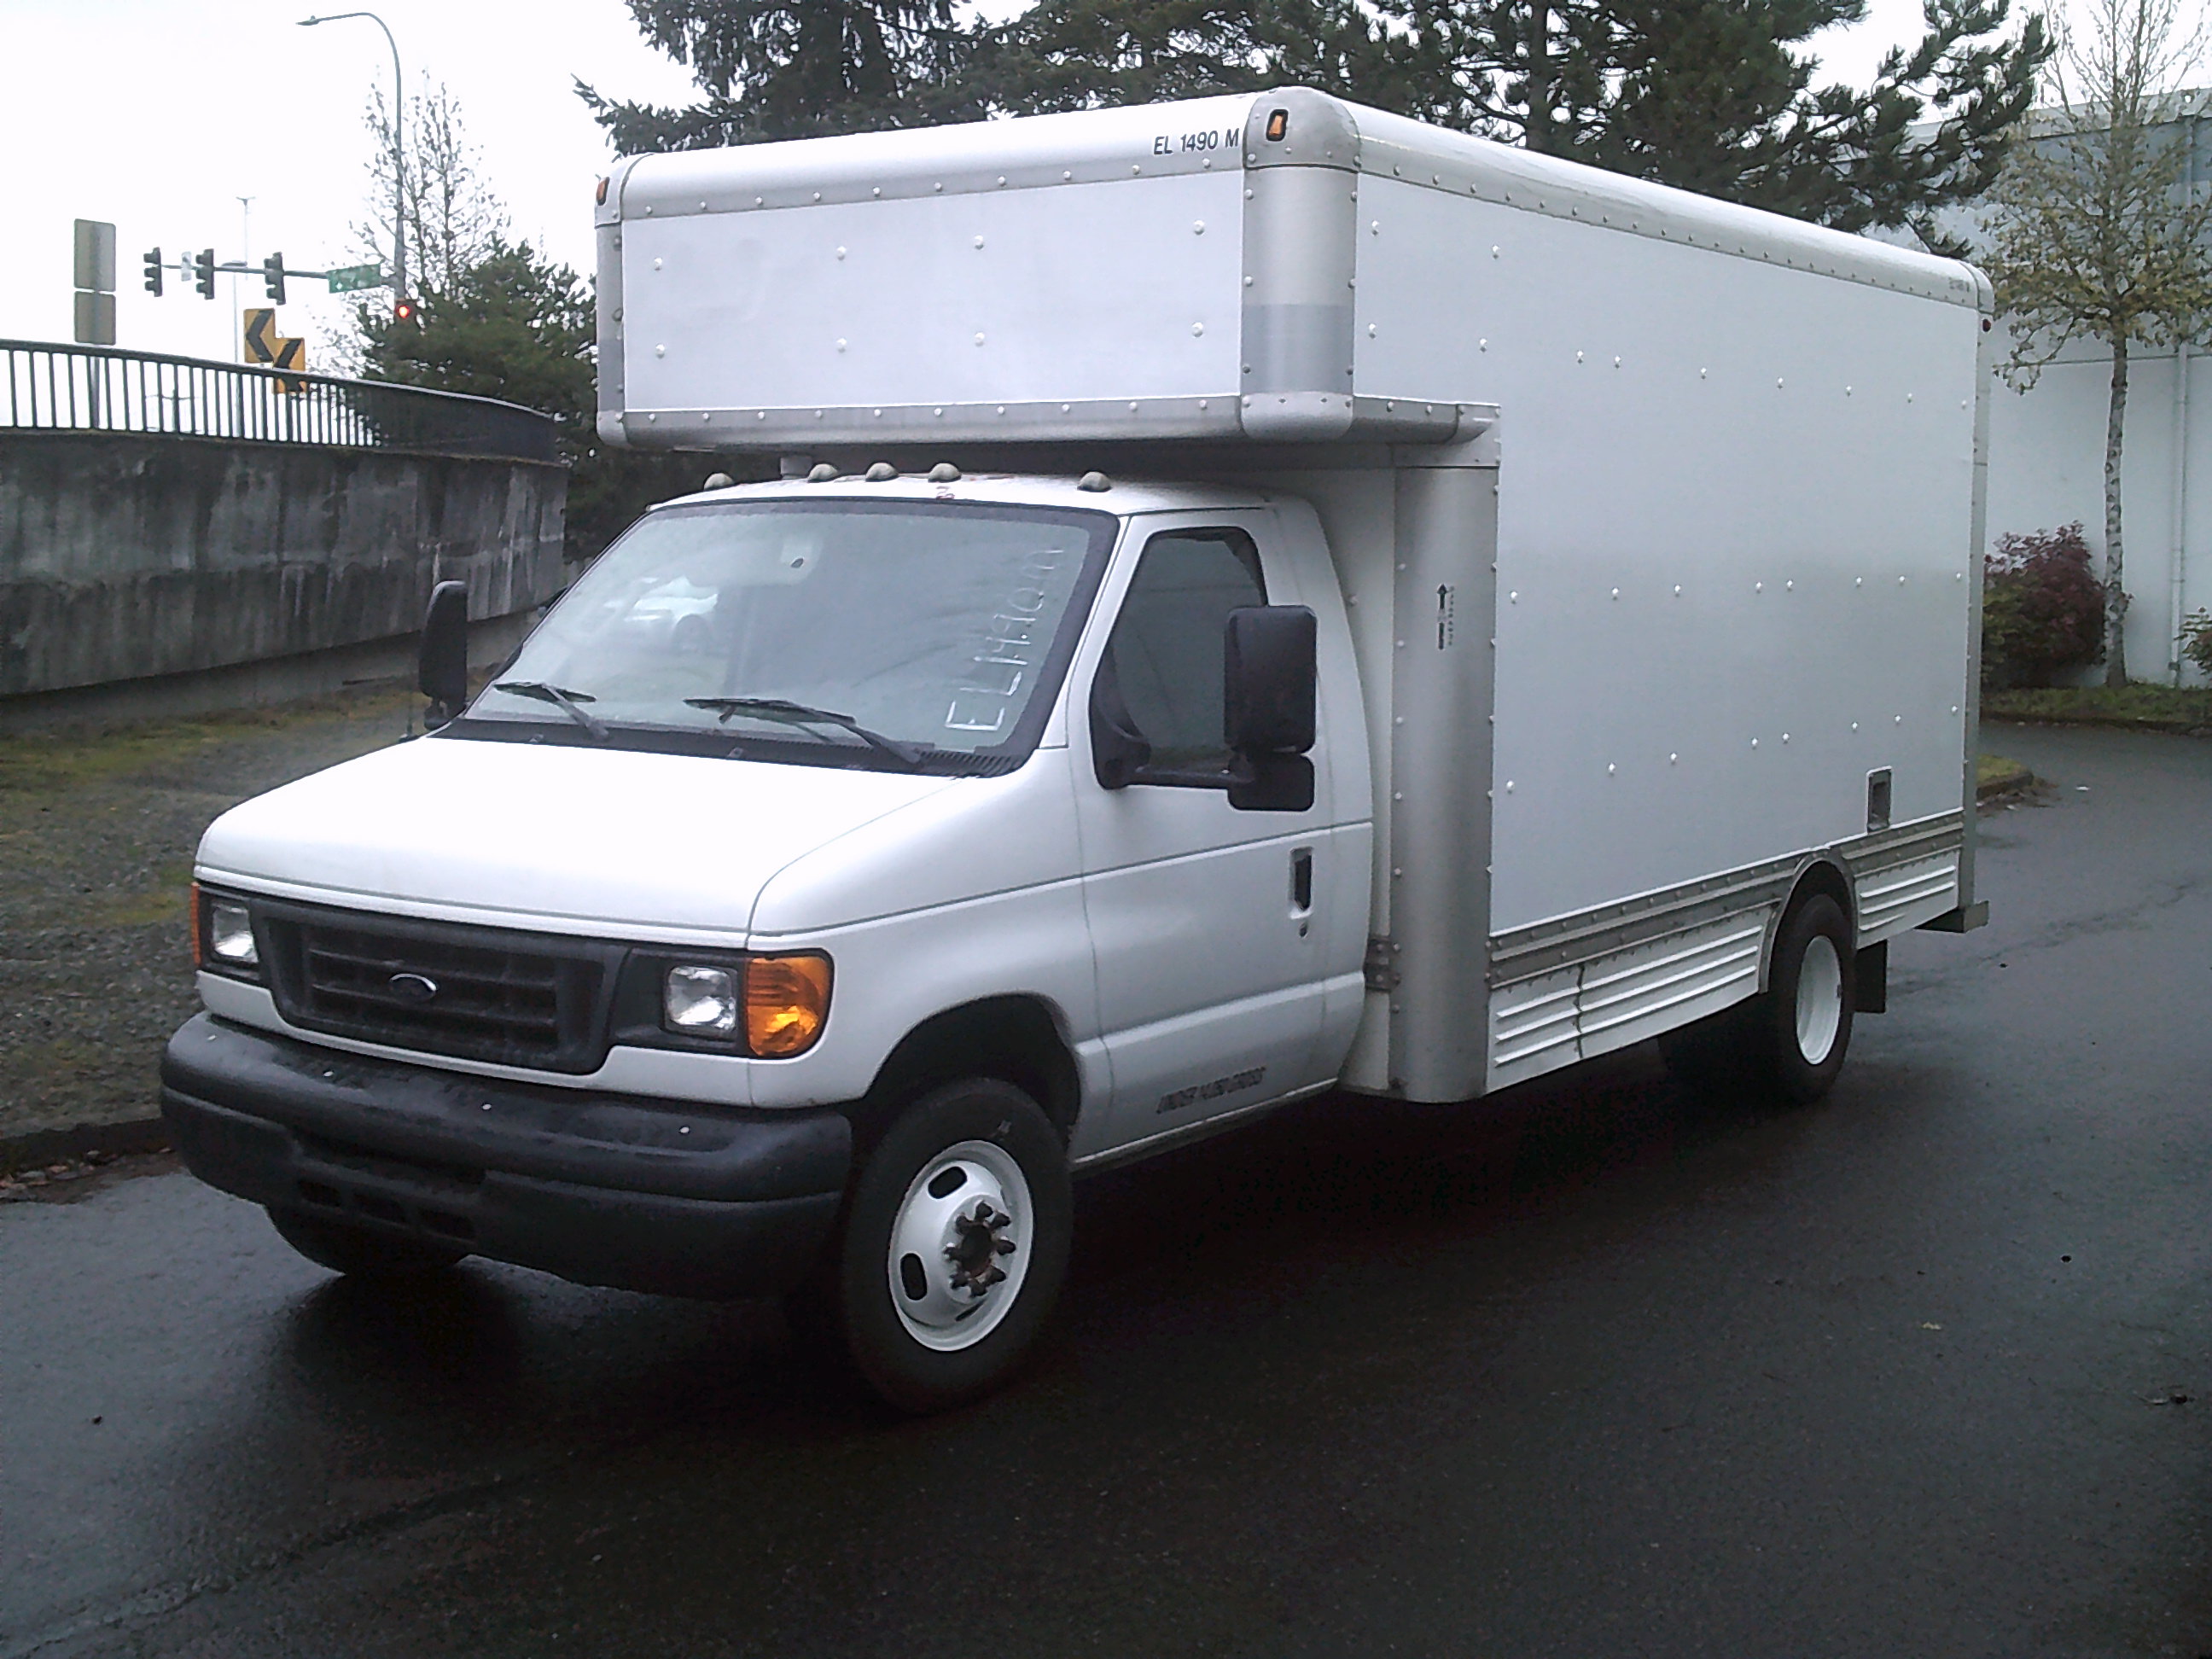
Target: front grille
[475,994]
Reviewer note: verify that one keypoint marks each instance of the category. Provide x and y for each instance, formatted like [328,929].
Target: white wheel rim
[942,1239]
[1820,999]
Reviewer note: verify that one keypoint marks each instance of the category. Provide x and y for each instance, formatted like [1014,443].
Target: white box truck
[1264,597]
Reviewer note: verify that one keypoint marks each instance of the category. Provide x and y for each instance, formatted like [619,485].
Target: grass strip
[2144,707]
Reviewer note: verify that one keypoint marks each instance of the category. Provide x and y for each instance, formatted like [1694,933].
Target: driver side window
[1164,656]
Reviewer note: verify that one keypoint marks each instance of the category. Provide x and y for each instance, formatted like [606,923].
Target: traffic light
[153,257]
[402,310]
[273,278]
[203,273]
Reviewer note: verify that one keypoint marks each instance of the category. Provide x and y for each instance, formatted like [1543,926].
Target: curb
[2004,783]
[81,1141]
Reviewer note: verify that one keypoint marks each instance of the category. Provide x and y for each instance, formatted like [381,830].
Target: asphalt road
[1600,1368]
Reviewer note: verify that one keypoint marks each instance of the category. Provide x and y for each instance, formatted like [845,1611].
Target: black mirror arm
[1118,752]
[1242,774]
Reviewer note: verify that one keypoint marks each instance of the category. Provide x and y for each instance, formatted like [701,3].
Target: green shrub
[2043,609]
[2196,640]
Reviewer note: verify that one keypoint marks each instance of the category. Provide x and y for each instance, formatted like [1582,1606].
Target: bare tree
[2096,230]
[454,219]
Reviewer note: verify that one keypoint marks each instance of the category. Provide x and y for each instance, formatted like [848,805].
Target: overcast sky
[158,115]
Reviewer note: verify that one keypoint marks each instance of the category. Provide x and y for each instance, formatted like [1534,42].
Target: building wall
[2047,469]
[125,556]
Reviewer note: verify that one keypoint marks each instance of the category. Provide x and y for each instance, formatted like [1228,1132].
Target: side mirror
[1269,671]
[443,671]
[1269,664]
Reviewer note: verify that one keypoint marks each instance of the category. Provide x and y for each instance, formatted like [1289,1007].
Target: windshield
[916,634]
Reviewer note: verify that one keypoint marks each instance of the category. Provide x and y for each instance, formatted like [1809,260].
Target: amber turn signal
[786,1000]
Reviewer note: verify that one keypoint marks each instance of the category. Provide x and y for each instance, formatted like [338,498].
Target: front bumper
[676,1198]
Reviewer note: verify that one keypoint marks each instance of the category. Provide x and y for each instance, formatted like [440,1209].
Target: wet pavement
[1599,1368]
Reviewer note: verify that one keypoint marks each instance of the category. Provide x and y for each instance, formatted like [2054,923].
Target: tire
[1805,1022]
[1788,1042]
[969,1186]
[356,1251]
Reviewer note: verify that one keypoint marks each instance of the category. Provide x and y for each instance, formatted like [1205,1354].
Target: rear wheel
[1791,1040]
[955,1245]
[1804,1020]
[357,1252]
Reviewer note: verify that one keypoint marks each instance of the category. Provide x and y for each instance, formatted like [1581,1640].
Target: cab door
[1208,923]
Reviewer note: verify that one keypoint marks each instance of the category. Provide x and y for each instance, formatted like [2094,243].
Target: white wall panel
[884,302]
[1734,532]
[2047,469]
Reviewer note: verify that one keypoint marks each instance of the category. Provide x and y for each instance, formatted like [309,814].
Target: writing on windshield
[906,627]
[1011,649]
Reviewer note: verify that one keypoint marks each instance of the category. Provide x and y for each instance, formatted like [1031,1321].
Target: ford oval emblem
[411,987]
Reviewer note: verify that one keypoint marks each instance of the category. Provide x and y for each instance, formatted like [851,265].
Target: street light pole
[398,148]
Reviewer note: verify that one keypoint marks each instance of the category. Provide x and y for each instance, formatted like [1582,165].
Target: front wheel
[955,1245]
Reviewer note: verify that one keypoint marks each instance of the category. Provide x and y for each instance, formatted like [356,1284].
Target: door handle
[1302,881]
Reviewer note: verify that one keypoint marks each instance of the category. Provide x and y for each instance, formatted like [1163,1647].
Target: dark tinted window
[1166,651]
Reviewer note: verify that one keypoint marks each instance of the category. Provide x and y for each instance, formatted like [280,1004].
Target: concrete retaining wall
[126,558]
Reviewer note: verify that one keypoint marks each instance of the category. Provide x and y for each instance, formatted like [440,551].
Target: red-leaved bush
[2043,609]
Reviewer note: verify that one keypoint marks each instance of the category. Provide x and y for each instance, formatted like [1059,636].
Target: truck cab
[809,800]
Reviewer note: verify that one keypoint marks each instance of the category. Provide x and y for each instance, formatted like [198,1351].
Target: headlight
[776,1005]
[222,932]
[700,1001]
[787,1000]
[230,935]
[767,1007]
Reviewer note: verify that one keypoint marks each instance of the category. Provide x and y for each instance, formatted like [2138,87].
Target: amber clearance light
[786,1000]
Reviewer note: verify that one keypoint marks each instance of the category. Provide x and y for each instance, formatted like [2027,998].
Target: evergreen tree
[1713,95]
[797,69]
[517,327]
[513,325]
[1716,96]
[1081,54]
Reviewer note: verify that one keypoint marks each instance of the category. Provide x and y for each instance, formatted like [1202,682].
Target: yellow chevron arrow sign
[265,345]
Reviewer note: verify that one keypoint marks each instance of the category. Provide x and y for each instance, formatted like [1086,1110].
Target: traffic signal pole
[203,267]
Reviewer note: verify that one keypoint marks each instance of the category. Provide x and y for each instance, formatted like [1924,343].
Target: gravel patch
[97,833]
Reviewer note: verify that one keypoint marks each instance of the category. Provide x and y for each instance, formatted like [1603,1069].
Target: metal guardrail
[80,388]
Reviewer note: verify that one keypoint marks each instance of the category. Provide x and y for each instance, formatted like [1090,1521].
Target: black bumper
[603,1190]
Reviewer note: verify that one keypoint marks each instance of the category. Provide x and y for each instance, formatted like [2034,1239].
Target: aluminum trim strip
[1547,946]
[1908,844]
[1644,1010]
[1283,417]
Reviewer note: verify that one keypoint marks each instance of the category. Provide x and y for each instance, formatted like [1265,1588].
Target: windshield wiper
[561,698]
[797,713]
